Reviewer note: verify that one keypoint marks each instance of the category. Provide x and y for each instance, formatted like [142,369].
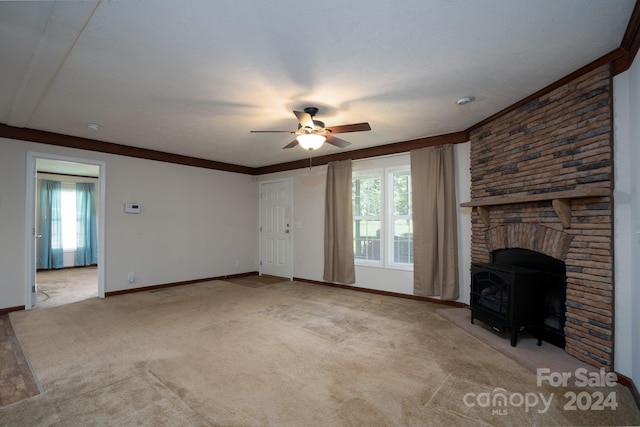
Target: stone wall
[559,142]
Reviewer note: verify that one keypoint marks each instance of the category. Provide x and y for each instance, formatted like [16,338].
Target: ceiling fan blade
[271,131]
[356,127]
[304,119]
[337,141]
[291,144]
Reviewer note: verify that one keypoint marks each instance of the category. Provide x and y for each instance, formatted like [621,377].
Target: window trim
[386,239]
[389,261]
[370,262]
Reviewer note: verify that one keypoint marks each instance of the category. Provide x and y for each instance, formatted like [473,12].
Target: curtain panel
[338,225]
[87,241]
[49,246]
[435,246]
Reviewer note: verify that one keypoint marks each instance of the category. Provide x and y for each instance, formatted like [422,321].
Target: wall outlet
[131,277]
[237,263]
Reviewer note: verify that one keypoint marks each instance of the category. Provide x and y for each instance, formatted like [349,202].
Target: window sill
[366,264]
[386,267]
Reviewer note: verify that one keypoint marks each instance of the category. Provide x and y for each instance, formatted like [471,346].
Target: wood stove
[507,298]
[521,289]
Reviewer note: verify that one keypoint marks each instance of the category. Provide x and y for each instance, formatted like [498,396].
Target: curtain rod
[68,174]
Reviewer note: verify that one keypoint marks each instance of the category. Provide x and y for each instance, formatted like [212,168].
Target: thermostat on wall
[132,208]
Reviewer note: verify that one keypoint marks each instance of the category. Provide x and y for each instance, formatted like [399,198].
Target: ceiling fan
[311,134]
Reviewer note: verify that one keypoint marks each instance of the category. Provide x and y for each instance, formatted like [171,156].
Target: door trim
[30,223]
[274,181]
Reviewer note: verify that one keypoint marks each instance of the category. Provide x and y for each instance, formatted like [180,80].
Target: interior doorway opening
[65,230]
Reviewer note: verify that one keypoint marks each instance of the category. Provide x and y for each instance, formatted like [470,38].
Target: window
[68,216]
[400,217]
[367,216]
[382,218]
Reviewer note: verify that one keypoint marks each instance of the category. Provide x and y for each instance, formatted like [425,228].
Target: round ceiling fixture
[93,126]
[311,141]
[465,100]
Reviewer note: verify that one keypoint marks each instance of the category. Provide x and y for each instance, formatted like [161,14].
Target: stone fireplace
[541,180]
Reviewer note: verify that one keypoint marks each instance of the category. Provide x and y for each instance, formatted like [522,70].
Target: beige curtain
[435,248]
[338,225]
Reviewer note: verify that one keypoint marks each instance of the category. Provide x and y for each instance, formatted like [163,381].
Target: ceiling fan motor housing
[312,111]
[318,127]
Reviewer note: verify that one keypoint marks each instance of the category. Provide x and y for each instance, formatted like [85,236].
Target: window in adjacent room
[68,216]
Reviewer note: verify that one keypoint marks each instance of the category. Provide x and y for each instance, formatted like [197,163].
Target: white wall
[195,223]
[12,225]
[626,96]
[308,210]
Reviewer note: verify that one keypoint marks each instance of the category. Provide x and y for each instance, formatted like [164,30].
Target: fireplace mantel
[561,201]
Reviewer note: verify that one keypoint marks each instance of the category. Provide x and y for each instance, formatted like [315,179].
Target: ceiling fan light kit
[311,134]
[311,141]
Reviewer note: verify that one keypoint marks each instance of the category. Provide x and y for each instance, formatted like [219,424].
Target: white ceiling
[194,77]
[67,168]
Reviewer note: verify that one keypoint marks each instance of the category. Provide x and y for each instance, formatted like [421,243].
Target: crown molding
[630,43]
[50,138]
[379,150]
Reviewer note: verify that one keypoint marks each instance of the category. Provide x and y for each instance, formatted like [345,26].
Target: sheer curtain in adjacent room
[86,241]
[50,253]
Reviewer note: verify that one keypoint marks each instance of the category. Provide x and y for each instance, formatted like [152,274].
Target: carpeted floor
[66,285]
[286,353]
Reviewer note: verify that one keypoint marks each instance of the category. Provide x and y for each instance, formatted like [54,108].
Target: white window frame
[390,262]
[369,262]
[386,218]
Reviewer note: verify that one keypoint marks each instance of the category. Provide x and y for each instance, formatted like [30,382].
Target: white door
[275,229]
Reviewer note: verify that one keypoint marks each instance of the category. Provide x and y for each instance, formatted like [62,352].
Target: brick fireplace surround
[541,179]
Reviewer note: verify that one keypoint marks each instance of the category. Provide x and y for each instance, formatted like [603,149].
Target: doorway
[276,201]
[65,230]
[56,287]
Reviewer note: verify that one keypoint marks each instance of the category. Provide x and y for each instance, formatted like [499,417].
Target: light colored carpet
[66,285]
[283,354]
